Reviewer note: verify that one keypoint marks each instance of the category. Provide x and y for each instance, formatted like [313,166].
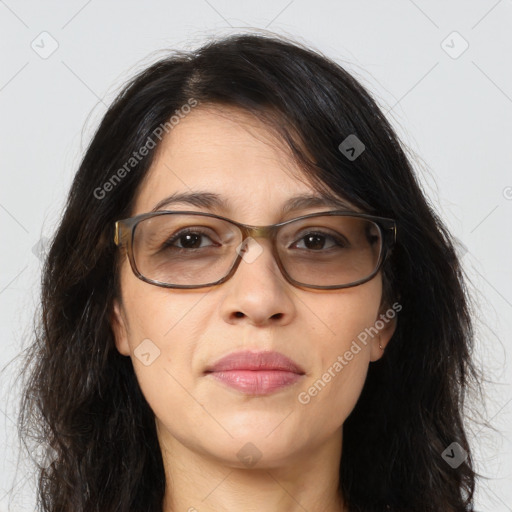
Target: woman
[187,360]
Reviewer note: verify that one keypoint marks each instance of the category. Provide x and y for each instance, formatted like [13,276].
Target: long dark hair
[82,397]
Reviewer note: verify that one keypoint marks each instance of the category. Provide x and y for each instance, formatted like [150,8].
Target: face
[174,336]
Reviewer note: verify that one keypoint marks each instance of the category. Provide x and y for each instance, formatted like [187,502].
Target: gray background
[452,107]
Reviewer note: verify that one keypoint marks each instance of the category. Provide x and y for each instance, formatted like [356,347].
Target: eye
[316,240]
[188,239]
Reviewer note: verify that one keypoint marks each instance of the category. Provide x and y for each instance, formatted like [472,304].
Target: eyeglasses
[185,249]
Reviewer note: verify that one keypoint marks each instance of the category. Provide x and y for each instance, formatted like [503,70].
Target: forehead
[226,161]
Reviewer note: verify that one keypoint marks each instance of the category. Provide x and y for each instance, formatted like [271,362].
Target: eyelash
[169,243]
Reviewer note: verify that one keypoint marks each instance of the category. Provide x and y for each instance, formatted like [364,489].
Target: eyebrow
[210,201]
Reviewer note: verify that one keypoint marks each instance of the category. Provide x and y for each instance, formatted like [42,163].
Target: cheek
[161,340]
[157,314]
[335,385]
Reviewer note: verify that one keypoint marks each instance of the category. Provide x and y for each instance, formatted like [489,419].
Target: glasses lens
[194,250]
[330,250]
[185,249]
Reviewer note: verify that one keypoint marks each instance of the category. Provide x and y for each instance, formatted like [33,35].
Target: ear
[120,328]
[383,337]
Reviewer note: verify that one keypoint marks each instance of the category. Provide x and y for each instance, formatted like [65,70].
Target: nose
[258,293]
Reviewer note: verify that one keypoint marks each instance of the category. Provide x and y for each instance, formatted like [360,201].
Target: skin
[201,423]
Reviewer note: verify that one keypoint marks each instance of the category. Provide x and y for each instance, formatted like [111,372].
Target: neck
[199,482]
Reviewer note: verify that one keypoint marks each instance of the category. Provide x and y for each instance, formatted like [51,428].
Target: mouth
[256,373]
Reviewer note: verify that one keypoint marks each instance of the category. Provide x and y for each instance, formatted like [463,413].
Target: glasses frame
[125,232]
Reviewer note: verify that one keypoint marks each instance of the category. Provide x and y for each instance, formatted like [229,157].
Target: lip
[249,360]
[257,373]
